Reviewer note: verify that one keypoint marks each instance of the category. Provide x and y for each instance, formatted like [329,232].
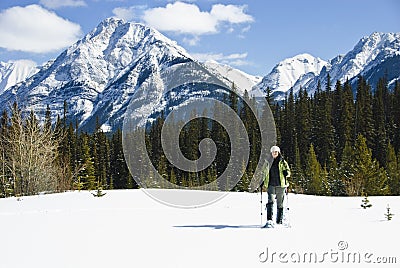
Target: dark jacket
[280,169]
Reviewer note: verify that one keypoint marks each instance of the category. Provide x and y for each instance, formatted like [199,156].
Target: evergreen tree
[253,129]
[380,140]
[100,155]
[68,174]
[47,118]
[99,192]
[335,181]
[368,177]
[288,129]
[298,180]
[342,115]
[317,175]
[155,147]
[303,123]
[212,175]
[245,115]
[244,182]
[172,177]
[323,131]
[190,142]
[119,174]
[364,115]
[72,167]
[205,133]
[221,139]
[277,111]
[162,170]
[389,215]
[347,168]
[365,202]
[86,176]
[102,161]
[396,117]
[393,171]
[233,98]
[268,97]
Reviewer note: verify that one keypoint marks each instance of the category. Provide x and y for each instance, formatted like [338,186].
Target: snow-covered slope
[376,54]
[373,57]
[229,75]
[126,228]
[98,74]
[286,73]
[13,72]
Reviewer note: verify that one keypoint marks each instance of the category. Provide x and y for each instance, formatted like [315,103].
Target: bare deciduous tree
[29,153]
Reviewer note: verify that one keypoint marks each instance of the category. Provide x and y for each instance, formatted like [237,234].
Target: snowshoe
[269,224]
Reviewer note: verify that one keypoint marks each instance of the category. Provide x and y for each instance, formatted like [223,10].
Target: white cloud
[218,56]
[230,13]
[191,41]
[187,18]
[35,29]
[124,13]
[54,4]
[181,18]
[246,29]
[240,62]
[235,59]
[129,13]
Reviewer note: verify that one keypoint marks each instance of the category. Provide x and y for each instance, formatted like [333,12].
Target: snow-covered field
[126,228]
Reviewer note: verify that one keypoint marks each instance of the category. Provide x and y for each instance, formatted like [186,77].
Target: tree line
[205,126]
[44,157]
[336,142]
[340,143]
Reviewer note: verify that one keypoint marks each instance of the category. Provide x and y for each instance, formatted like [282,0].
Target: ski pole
[287,199]
[287,209]
[261,206]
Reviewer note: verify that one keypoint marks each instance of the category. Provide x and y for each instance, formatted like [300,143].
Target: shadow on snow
[219,226]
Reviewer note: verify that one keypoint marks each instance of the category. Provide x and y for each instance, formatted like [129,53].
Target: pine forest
[338,142]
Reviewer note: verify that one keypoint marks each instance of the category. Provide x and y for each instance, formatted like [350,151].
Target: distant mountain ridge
[373,57]
[98,75]
[229,75]
[14,72]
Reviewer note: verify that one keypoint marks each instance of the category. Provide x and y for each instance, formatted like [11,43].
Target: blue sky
[251,35]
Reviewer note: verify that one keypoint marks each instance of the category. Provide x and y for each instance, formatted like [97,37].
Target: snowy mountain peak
[379,40]
[113,45]
[301,64]
[376,46]
[14,72]
[371,57]
[285,74]
[99,73]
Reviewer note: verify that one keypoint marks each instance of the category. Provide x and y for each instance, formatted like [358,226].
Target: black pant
[277,191]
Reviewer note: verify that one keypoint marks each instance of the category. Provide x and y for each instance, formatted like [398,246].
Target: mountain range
[98,75]
[14,72]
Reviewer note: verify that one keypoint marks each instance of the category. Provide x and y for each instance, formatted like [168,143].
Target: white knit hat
[275,149]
